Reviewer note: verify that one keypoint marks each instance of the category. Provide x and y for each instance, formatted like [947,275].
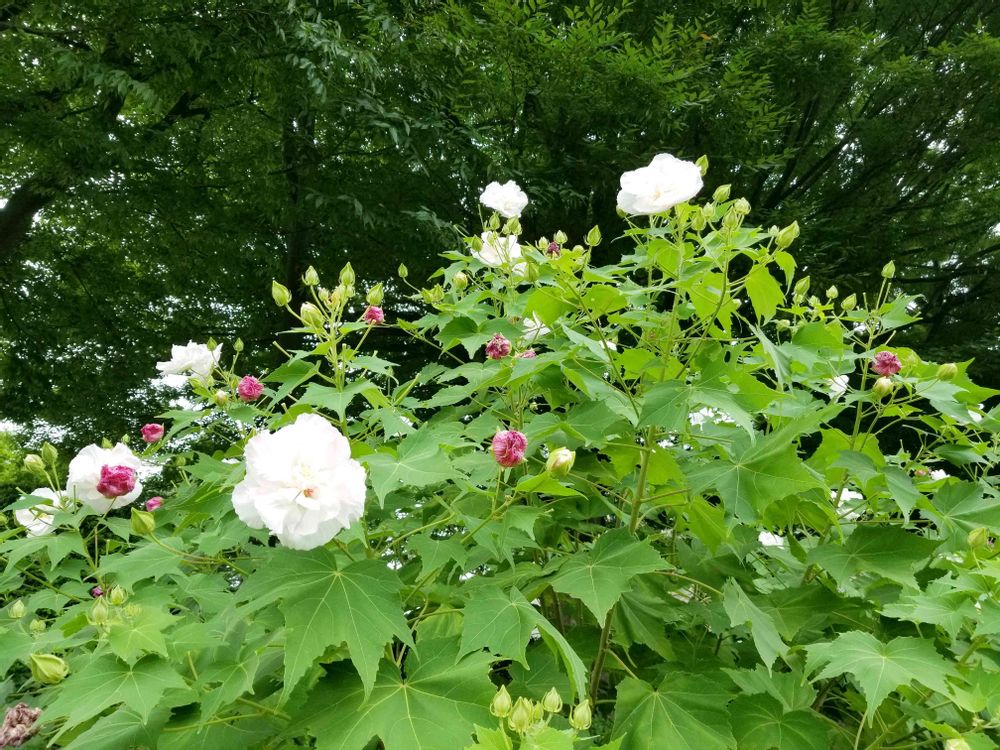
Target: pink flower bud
[116,481]
[509,447]
[498,347]
[554,249]
[527,354]
[920,472]
[374,316]
[152,432]
[886,363]
[153,503]
[249,389]
[97,592]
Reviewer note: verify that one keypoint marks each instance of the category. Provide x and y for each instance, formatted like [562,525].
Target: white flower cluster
[192,359]
[301,483]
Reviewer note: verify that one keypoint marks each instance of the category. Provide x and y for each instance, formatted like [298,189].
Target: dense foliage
[631,503]
[177,157]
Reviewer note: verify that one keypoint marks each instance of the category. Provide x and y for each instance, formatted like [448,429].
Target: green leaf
[939,605]
[325,606]
[959,507]
[548,738]
[500,623]
[140,634]
[420,463]
[887,551]
[686,712]
[599,576]
[334,399]
[742,611]
[760,723]
[436,706]
[666,405]
[106,682]
[490,739]
[233,678]
[880,668]
[789,688]
[122,728]
[642,614]
[764,292]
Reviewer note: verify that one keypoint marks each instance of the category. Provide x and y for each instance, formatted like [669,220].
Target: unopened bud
[221,398]
[403,273]
[702,163]
[347,275]
[311,315]
[698,220]
[978,538]
[520,716]
[580,717]
[493,223]
[34,463]
[560,237]
[310,277]
[460,280]
[513,226]
[814,301]
[721,193]
[375,295]
[552,702]
[280,294]
[37,627]
[593,237]
[849,303]
[888,270]
[783,324]
[48,669]
[787,235]
[99,612]
[49,454]
[832,293]
[560,462]
[947,371]
[501,704]
[142,522]
[238,345]
[742,207]
[337,297]
[537,713]
[117,596]
[883,387]
[133,610]
[801,287]
[17,610]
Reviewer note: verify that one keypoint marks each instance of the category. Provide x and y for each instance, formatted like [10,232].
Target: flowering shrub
[669,501]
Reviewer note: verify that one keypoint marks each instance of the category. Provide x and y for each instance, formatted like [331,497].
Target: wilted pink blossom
[18,725]
[249,389]
[554,249]
[509,447]
[152,432]
[116,481]
[528,354]
[153,503]
[886,363]
[498,347]
[96,592]
[374,315]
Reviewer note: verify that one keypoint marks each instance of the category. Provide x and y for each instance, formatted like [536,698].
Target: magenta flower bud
[374,316]
[153,503]
[152,432]
[509,447]
[249,389]
[920,472]
[116,481]
[97,592]
[886,363]
[498,347]
[527,354]
[554,249]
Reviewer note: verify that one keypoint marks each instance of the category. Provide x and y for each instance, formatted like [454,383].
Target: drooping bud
[593,237]
[49,453]
[152,432]
[498,347]
[883,387]
[310,277]
[280,294]
[978,538]
[886,363]
[48,669]
[721,194]
[580,717]
[509,447]
[502,703]
[34,463]
[832,293]
[552,701]
[560,462]
[154,503]
[849,303]
[947,371]
[888,270]
[311,315]
[17,610]
[142,522]
[460,280]
[787,235]
[520,716]
[117,596]
[249,389]
[347,276]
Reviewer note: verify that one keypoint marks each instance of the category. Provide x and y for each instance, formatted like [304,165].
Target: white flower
[193,358]
[301,483]
[938,474]
[37,520]
[666,182]
[507,199]
[837,385]
[498,249]
[767,539]
[85,476]
[534,328]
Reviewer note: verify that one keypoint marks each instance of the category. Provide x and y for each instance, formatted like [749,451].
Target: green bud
[708,212]
[375,295]
[552,701]
[99,612]
[978,538]
[560,462]
[593,237]
[48,669]
[501,704]
[957,744]
[702,163]
[311,315]
[537,713]
[888,270]
[105,443]
[280,294]
[133,610]
[698,220]
[721,194]
[49,454]
[520,716]
[212,344]
[142,522]
[814,301]
[783,324]
[117,596]
[883,387]
[347,275]
[221,398]
[238,345]
[742,207]
[434,295]
[403,273]
[832,293]
[34,463]
[37,627]
[560,237]
[787,235]
[337,297]
[732,219]
[849,303]
[493,223]
[801,287]
[310,277]
[580,717]
[17,610]
[513,226]
[460,280]
[947,371]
